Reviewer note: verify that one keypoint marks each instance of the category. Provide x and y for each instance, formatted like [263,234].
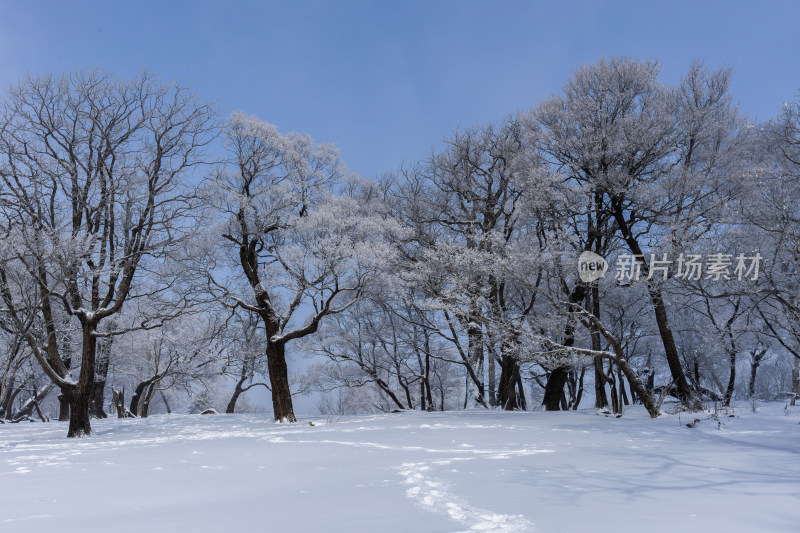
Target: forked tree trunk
[237,391]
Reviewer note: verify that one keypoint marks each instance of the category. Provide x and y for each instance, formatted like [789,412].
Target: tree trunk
[622,393]
[522,402]
[231,408]
[616,408]
[638,388]
[33,403]
[554,388]
[428,392]
[237,390]
[757,356]
[144,405]
[493,399]
[282,408]
[137,397]
[726,401]
[118,402]
[509,397]
[63,407]
[79,420]
[600,398]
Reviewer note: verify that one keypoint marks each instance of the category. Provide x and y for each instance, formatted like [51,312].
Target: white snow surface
[484,471]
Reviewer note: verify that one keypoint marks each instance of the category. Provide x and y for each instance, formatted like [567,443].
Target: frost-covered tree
[654,160]
[93,177]
[303,236]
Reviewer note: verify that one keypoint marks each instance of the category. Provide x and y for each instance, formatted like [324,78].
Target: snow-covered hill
[420,472]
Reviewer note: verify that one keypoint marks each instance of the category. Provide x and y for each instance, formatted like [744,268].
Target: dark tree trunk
[33,403]
[757,355]
[231,408]
[622,392]
[138,395]
[508,394]
[282,408]
[11,395]
[522,403]
[144,406]
[638,388]
[795,380]
[726,400]
[493,392]
[63,407]
[79,419]
[600,380]
[118,401]
[404,385]
[428,392]
[554,388]
[615,406]
[238,389]
[79,424]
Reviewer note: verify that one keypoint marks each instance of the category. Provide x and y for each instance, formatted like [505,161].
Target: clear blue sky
[387,80]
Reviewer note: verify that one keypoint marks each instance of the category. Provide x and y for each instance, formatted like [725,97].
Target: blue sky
[386,81]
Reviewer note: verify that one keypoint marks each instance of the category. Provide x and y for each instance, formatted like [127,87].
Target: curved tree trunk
[237,391]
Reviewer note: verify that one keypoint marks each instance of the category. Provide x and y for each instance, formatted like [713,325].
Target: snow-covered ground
[408,472]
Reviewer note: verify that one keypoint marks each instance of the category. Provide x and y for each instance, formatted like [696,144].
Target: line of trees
[147,247]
